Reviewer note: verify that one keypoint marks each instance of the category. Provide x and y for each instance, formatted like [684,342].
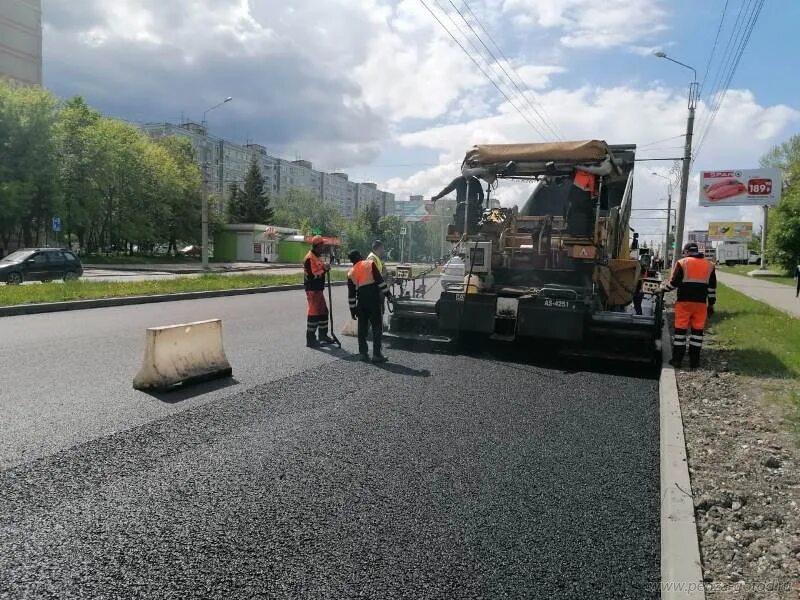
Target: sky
[379,88]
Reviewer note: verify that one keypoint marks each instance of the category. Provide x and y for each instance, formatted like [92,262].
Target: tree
[373,216]
[783,241]
[302,210]
[389,233]
[357,233]
[28,167]
[250,204]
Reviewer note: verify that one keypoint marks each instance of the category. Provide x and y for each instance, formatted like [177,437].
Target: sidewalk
[777,295]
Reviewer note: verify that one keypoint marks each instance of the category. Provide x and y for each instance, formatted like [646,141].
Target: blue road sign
[56,224]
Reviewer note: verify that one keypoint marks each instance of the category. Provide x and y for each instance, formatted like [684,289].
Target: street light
[687,152]
[205,112]
[204,209]
[669,208]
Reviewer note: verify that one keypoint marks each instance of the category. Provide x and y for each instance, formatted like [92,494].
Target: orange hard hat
[317,240]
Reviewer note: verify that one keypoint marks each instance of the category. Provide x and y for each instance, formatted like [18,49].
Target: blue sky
[377,88]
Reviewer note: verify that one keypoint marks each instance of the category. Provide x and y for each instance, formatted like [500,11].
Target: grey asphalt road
[438,476]
[67,377]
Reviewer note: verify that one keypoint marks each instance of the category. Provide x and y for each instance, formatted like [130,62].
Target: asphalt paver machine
[559,270]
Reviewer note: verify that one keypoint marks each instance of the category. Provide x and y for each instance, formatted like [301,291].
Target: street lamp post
[687,154]
[669,212]
[204,208]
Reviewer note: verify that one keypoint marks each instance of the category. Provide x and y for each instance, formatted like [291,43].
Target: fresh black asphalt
[437,476]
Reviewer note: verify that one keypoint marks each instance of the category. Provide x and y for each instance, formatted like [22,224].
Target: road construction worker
[314,270]
[376,256]
[696,282]
[474,202]
[366,290]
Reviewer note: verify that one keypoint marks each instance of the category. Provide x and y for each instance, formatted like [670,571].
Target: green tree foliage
[389,233]
[783,241]
[302,210]
[28,169]
[115,189]
[373,217]
[357,233]
[250,204]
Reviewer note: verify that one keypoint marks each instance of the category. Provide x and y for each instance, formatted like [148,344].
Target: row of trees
[300,209]
[783,237]
[113,188]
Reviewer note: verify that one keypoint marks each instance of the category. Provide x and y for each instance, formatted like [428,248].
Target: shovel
[330,310]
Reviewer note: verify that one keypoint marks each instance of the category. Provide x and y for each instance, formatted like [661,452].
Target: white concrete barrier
[182,354]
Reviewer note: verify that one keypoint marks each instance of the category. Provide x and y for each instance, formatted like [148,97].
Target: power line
[713,48]
[725,61]
[669,139]
[482,70]
[477,64]
[525,97]
[738,56]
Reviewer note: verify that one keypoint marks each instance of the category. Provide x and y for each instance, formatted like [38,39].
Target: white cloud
[589,23]
[744,130]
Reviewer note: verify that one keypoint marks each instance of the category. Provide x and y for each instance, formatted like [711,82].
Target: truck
[559,270]
[736,253]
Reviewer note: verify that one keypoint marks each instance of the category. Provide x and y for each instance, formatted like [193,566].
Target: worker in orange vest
[696,282]
[314,270]
[365,292]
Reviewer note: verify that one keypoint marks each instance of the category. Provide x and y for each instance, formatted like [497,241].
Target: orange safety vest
[361,274]
[317,264]
[696,269]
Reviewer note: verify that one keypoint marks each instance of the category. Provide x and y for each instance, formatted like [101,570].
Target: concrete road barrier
[182,354]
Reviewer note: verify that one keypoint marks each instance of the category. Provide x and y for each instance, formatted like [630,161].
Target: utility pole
[204,207]
[204,219]
[687,156]
[669,213]
[763,265]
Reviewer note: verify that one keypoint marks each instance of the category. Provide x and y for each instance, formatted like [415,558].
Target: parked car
[754,258]
[193,251]
[453,274]
[40,264]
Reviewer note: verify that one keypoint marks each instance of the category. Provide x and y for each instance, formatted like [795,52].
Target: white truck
[736,253]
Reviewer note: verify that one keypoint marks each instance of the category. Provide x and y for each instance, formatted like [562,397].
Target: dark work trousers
[370,316]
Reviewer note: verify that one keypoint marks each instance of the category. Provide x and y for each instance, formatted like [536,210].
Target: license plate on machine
[558,303]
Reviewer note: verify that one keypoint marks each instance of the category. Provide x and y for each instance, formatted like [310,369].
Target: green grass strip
[756,338]
[11,295]
[745,269]
[136,259]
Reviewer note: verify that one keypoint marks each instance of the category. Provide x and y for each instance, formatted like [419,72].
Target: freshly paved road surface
[777,295]
[316,476]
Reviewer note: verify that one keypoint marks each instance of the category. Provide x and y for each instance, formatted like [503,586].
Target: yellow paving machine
[559,270]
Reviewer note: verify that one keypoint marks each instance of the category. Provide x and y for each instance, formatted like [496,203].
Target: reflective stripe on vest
[361,273]
[377,260]
[317,264]
[696,270]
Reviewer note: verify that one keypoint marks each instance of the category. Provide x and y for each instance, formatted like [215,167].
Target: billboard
[745,187]
[730,231]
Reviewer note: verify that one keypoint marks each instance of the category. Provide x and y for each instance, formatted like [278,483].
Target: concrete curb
[681,569]
[33,309]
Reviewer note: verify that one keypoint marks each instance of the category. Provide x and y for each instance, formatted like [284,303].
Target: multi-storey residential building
[226,163]
[336,191]
[298,175]
[387,204]
[266,163]
[21,41]
[208,150]
[351,207]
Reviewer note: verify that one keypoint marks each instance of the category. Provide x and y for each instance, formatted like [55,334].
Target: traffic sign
[56,224]
[403,230]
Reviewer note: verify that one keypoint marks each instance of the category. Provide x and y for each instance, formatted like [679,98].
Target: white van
[453,274]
